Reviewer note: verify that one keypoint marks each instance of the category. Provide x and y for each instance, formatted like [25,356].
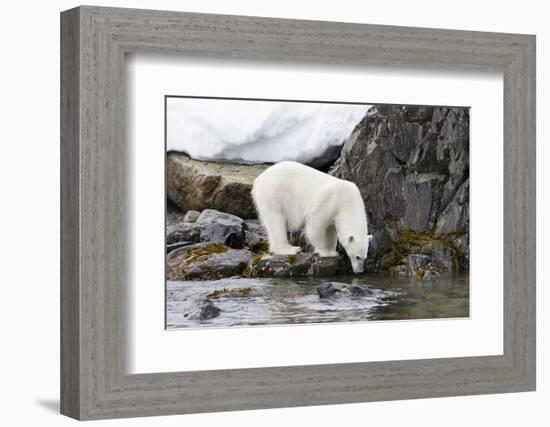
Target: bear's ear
[369,237]
[350,239]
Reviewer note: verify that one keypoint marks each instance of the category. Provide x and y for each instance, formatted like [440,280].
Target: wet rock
[359,291]
[221,227]
[206,310]
[399,270]
[174,246]
[280,265]
[444,258]
[182,232]
[209,311]
[429,276]
[331,289]
[191,216]
[327,290]
[417,263]
[197,185]
[329,266]
[206,261]
[233,292]
[302,264]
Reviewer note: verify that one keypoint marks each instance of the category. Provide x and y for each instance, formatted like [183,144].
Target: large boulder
[197,185]
[221,227]
[411,165]
[211,226]
[206,261]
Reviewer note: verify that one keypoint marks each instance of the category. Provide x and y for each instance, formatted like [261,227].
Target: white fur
[289,196]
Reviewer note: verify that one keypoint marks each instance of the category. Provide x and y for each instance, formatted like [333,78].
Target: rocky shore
[411,166]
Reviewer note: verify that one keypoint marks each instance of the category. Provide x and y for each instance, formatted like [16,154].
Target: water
[293,301]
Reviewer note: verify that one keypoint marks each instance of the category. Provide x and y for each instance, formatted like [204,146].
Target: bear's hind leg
[331,241]
[322,238]
[276,230]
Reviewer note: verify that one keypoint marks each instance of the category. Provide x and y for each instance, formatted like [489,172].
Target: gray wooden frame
[94,382]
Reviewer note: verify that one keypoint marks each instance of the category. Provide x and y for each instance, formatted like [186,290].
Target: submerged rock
[206,261]
[417,263]
[399,270]
[197,185]
[209,311]
[327,290]
[331,289]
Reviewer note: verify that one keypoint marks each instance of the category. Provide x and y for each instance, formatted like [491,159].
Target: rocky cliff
[411,165]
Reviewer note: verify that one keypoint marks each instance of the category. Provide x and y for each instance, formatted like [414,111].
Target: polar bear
[290,195]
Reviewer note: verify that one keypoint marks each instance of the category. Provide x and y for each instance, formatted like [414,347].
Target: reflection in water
[290,301]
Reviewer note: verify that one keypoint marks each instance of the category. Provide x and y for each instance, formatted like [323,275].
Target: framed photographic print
[261,213]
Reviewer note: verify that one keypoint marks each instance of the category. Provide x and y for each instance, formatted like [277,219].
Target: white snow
[257,131]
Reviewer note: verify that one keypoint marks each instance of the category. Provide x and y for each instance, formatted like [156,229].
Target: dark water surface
[291,301]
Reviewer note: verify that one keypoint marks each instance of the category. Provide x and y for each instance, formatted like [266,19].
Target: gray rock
[174,246]
[429,276]
[220,227]
[327,290]
[302,264]
[182,232]
[444,258]
[417,263]
[411,165]
[209,311]
[359,291]
[191,216]
[421,193]
[329,266]
[399,270]
[197,185]
[331,289]
[455,217]
[206,261]
[280,265]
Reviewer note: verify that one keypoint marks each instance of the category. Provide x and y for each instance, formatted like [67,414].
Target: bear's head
[357,248]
